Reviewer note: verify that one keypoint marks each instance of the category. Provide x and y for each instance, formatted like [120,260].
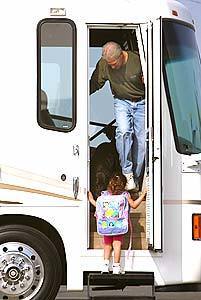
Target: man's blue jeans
[130,135]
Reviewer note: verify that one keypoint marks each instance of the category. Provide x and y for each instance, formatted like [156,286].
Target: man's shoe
[130,185]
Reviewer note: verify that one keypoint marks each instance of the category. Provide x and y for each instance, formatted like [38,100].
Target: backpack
[112,213]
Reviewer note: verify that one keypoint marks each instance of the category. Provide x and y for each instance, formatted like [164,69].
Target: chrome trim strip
[181,202]
[34,191]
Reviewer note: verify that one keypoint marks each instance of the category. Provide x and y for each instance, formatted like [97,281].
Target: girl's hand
[91,198]
[89,195]
[144,192]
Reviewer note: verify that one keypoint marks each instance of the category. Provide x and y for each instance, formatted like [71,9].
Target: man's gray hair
[111,51]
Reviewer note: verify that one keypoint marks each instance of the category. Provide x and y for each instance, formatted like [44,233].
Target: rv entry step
[98,282]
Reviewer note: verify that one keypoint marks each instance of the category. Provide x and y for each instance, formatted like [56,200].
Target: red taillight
[196,219]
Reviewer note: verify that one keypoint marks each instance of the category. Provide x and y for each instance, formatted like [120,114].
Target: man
[123,71]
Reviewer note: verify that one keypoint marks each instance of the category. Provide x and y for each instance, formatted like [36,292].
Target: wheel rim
[21,271]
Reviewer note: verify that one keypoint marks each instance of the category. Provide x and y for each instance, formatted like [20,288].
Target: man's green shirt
[125,82]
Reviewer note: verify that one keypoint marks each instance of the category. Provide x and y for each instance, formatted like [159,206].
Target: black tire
[33,248]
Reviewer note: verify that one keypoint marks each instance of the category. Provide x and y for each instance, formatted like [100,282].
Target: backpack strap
[105,193]
[131,236]
[130,230]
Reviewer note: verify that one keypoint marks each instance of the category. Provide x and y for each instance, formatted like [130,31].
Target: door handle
[76,150]
[75,186]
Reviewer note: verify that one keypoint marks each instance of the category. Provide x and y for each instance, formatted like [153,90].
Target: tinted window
[56,74]
[182,73]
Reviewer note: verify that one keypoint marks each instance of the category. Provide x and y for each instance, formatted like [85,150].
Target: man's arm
[98,78]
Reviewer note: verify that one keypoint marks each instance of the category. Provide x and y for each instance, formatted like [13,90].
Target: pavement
[129,294]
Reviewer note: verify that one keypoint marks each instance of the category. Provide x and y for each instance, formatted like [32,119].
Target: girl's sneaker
[105,268]
[116,269]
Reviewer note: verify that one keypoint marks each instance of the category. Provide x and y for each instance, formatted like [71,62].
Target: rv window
[56,74]
[182,72]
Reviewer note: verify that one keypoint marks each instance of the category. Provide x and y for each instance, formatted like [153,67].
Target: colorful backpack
[112,213]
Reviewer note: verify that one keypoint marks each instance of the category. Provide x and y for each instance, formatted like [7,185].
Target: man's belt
[136,99]
[133,99]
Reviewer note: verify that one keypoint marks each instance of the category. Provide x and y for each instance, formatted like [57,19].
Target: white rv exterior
[44,170]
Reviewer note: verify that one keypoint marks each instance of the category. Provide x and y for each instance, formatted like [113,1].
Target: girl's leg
[107,251]
[117,250]
[107,247]
[117,256]
[117,242]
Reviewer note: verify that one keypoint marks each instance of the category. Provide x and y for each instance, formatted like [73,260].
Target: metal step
[103,282]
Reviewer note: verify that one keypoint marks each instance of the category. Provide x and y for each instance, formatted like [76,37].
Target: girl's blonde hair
[117,184]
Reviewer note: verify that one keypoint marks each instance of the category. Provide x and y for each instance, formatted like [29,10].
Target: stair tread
[121,280]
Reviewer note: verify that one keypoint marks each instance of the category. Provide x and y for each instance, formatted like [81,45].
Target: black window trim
[74,73]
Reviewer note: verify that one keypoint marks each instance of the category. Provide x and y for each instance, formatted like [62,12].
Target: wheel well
[43,227]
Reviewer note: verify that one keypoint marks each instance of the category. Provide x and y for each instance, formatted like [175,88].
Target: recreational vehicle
[51,126]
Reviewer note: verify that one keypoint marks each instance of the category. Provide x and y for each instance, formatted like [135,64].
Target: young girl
[116,186]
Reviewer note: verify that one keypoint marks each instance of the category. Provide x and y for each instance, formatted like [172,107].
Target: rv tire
[30,265]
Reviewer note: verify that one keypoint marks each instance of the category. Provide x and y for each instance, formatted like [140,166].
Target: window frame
[74,73]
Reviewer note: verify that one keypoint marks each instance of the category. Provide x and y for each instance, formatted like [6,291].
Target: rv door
[154,136]
[57,106]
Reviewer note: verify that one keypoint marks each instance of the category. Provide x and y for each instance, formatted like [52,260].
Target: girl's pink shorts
[108,240]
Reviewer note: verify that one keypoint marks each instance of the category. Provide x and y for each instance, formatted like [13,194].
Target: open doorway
[102,129]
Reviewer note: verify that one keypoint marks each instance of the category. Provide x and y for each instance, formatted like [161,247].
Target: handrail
[100,131]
